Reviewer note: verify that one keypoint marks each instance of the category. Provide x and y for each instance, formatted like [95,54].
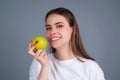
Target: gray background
[21,20]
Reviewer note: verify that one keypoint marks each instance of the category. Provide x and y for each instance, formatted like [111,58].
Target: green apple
[40,42]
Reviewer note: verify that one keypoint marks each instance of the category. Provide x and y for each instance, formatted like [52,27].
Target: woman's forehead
[55,19]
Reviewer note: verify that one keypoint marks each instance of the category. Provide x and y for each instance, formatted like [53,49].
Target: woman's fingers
[29,45]
[38,53]
[41,55]
[31,49]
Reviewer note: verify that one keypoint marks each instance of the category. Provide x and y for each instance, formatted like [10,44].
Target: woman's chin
[55,46]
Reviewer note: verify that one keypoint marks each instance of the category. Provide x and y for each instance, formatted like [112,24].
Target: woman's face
[58,31]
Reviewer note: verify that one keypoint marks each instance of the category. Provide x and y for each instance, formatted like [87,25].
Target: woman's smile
[55,39]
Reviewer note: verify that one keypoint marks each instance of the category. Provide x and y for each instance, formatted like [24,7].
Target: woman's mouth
[54,39]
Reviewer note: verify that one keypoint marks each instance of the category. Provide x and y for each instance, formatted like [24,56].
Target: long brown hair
[75,41]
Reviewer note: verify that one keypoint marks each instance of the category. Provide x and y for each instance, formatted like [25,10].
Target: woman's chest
[67,72]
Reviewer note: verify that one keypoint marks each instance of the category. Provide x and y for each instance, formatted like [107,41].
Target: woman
[68,59]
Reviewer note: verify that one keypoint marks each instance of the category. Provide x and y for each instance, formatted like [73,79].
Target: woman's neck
[64,53]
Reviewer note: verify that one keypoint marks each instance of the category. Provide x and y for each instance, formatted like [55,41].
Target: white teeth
[55,38]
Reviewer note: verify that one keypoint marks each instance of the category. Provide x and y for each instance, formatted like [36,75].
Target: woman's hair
[75,41]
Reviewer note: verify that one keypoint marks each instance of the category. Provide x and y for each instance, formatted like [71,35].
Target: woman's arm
[42,58]
[43,73]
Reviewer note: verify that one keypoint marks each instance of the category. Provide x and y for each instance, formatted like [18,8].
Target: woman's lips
[56,38]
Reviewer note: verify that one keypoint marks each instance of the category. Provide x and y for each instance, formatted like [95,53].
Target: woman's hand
[39,55]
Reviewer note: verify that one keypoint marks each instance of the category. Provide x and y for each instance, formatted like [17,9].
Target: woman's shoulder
[91,64]
[93,68]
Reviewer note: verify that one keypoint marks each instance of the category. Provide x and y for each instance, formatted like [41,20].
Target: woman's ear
[74,29]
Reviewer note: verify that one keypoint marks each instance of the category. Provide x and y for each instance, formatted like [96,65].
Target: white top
[71,69]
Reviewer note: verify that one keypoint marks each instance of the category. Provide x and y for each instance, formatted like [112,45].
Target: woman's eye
[59,26]
[48,28]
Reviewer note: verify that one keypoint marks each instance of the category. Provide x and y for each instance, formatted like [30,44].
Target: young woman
[68,59]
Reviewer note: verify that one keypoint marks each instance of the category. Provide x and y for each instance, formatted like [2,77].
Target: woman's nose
[54,31]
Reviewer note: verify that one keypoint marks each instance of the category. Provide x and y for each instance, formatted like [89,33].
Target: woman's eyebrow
[47,25]
[58,23]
